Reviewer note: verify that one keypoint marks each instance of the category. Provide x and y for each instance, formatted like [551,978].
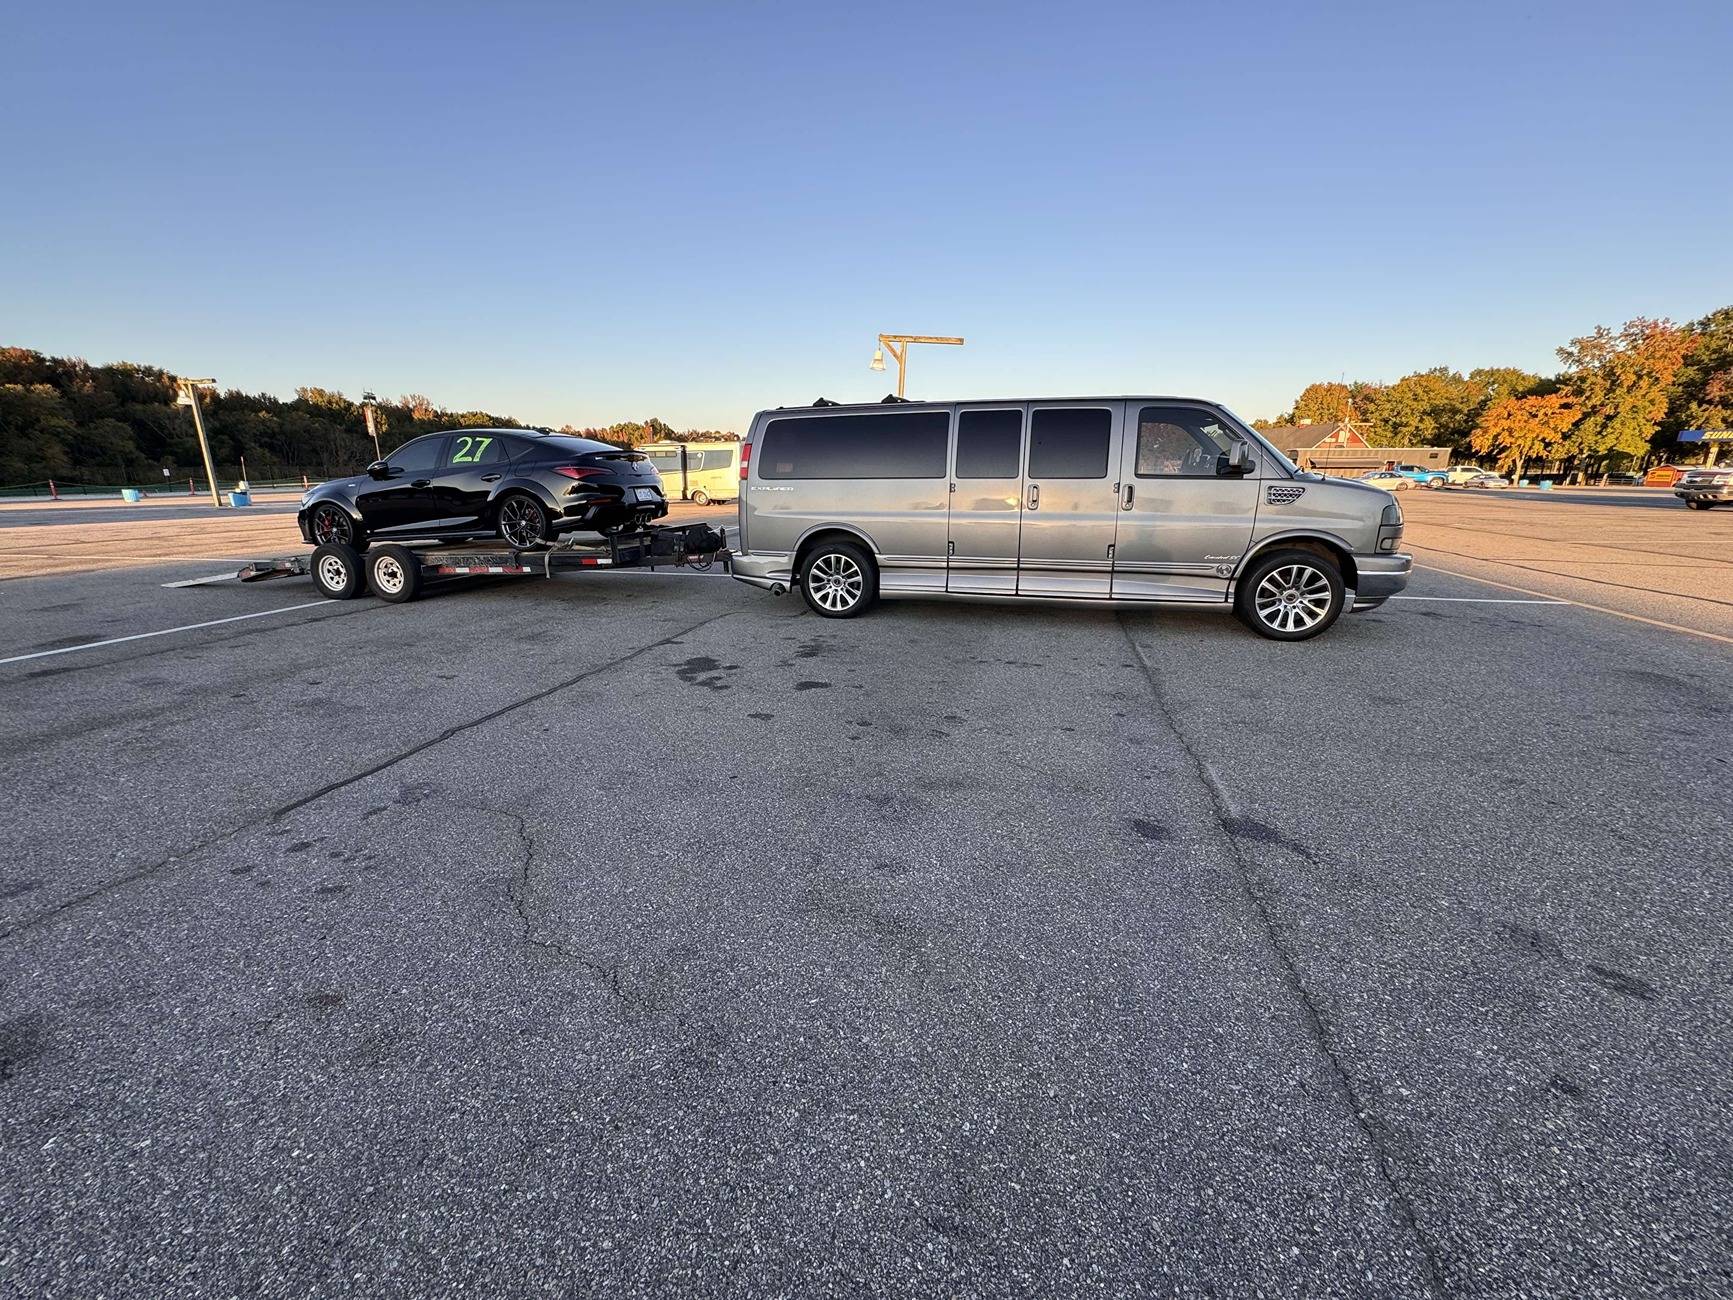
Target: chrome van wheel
[1290,595]
[839,580]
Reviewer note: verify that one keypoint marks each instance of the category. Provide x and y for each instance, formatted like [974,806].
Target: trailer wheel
[337,571]
[394,574]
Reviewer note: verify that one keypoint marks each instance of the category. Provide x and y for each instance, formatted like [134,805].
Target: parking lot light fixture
[187,394]
[889,343]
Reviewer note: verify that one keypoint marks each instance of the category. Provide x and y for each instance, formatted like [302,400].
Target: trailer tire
[394,574]
[336,570]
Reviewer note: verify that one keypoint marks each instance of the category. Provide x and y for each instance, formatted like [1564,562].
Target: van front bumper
[1379,577]
[765,569]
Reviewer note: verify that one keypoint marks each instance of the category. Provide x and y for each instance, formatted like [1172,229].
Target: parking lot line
[1488,600]
[1582,604]
[167,631]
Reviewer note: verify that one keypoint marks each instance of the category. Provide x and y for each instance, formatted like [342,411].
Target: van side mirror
[379,469]
[1236,461]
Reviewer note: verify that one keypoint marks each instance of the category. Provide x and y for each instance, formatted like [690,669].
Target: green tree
[1620,381]
[1430,408]
[1701,396]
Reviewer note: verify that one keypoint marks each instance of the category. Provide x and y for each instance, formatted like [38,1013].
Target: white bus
[699,472]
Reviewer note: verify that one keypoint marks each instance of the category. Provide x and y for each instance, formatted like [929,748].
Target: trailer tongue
[397,572]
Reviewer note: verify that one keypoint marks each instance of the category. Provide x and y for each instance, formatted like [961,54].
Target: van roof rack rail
[825,401]
[892,397]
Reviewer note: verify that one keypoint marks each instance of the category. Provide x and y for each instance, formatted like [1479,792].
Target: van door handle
[1034,496]
[490,478]
[1126,504]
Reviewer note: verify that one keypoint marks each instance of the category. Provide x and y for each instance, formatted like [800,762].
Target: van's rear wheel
[1290,595]
[700,498]
[839,580]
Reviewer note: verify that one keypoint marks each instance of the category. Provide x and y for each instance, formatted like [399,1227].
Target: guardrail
[59,490]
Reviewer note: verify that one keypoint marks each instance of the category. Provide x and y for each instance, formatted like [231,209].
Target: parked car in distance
[1486,480]
[1109,501]
[1706,488]
[521,486]
[1432,478]
[1388,479]
[1457,475]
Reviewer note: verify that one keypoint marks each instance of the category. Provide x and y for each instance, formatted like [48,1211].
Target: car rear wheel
[331,523]
[839,580]
[523,522]
[394,574]
[1290,595]
[337,571]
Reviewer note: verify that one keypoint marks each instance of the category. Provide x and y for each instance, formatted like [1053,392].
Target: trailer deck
[397,571]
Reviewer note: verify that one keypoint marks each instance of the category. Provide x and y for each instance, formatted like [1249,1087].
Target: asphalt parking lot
[643,934]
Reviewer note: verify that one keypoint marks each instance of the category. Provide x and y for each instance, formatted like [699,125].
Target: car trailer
[398,571]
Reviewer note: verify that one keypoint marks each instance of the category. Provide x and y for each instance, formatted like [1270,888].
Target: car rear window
[560,444]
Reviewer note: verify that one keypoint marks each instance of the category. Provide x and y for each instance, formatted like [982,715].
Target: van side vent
[1283,494]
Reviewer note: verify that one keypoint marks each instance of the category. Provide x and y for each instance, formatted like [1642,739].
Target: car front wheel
[1290,595]
[331,523]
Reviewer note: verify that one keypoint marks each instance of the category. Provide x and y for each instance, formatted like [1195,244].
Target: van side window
[1180,442]
[904,444]
[1069,442]
[989,443]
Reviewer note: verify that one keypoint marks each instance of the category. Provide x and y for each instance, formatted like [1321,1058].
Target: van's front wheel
[839,580]
[1290,595]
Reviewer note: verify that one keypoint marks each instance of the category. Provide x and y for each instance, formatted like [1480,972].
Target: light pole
[888,343]
[188,395]
[368,402]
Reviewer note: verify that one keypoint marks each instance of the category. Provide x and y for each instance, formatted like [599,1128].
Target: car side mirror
[379,469]
[1236,461]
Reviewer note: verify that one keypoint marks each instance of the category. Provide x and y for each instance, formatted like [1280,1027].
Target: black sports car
[516,484]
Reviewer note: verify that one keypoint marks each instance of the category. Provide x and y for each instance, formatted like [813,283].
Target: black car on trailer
[524,487]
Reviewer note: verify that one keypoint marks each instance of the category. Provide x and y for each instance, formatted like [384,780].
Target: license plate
[647,494]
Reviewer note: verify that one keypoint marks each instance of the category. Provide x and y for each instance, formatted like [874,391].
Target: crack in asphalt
[154,869]
[522,886]
[1373,1128]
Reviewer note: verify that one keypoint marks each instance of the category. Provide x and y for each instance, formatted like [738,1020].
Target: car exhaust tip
[777,589]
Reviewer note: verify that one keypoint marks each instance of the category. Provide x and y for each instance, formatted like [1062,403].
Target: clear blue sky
[590,213]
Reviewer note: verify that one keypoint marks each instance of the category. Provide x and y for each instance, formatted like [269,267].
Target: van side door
[1184,523]
[986,501]
[1070,499]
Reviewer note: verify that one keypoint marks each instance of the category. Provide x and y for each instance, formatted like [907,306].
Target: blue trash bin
[131,494]
[238,498]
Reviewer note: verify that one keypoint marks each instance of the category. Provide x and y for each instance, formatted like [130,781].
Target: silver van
[1123,501]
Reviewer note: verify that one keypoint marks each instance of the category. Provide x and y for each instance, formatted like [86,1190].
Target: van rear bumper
[1379,578]
[764,569]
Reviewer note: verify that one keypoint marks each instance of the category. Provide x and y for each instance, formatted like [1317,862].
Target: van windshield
[1268,446]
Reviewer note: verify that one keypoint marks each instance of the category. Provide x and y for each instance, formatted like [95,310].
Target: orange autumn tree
[1520,429]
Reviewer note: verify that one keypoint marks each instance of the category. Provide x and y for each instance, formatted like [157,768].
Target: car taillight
[745,460]
[577,471]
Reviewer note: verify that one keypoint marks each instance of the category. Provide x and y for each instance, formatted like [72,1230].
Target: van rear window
[901,444]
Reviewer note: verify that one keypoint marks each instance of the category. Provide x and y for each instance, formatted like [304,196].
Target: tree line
[62,418]
[1622,396]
